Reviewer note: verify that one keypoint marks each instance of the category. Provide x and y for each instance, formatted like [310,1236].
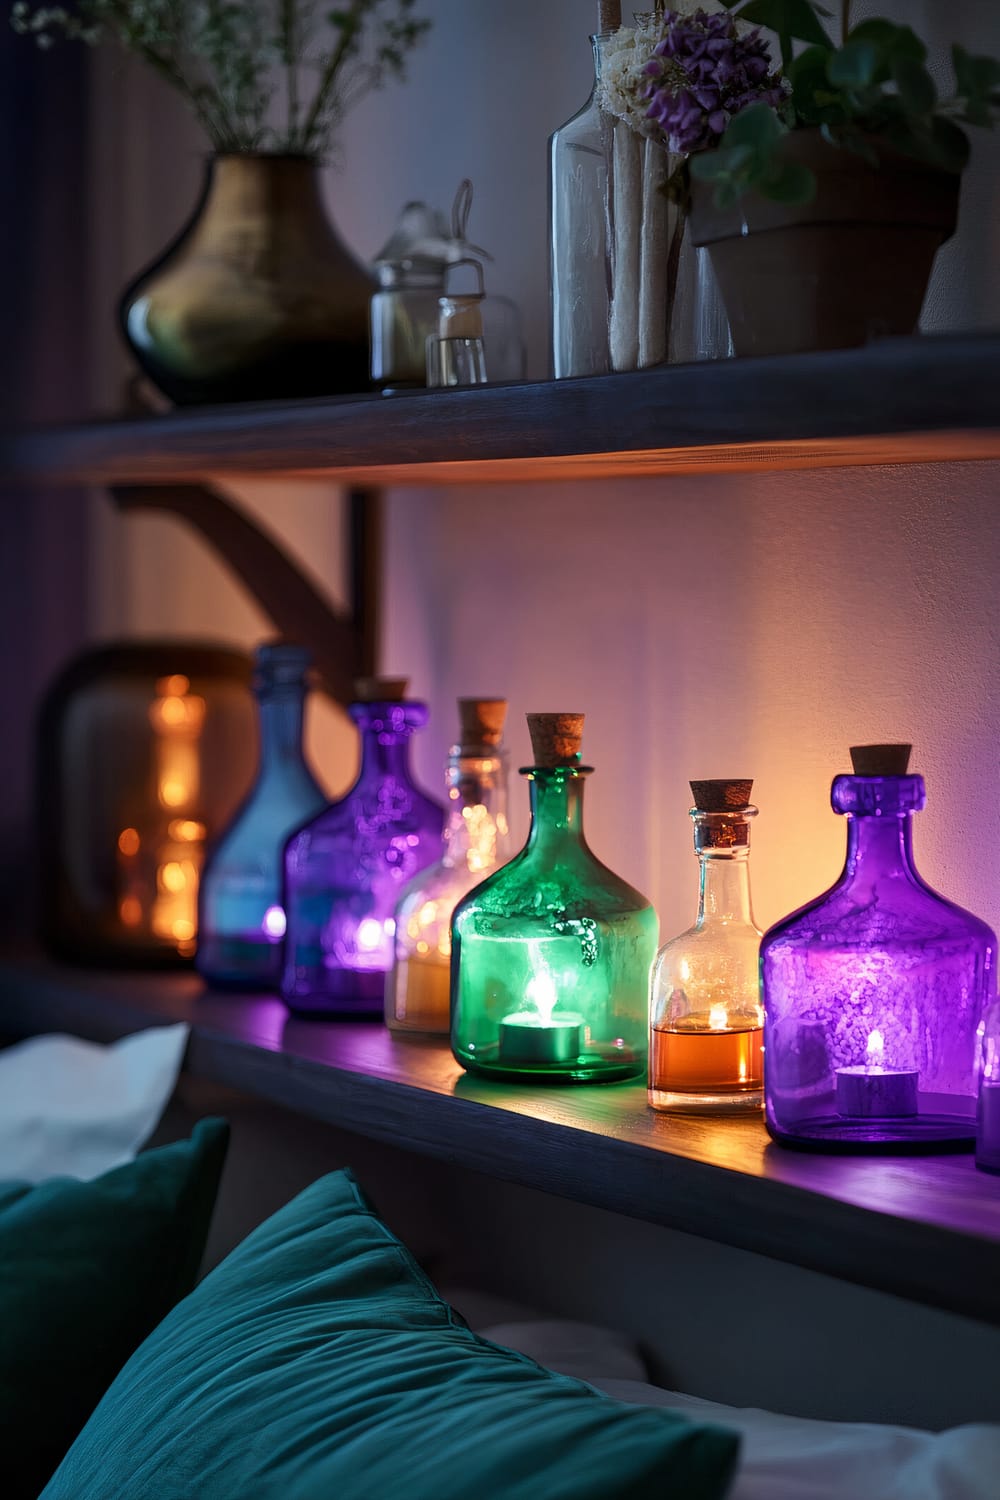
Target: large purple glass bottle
[344,870]
[874,993]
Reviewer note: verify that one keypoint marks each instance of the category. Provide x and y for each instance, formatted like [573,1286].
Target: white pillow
[794,1458]
[75,1109]
[781,1458]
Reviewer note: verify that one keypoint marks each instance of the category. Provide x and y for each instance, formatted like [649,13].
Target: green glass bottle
[551,954]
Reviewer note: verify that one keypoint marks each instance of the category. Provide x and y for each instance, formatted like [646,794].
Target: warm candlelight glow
[541,993]
[718,1019]
[160,866]
[130,911]
[481,829]
[173,877]
[186,830]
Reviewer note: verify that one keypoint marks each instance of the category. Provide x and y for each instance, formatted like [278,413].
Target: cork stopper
[721,796]
[380,689]
[880,760]
[609,15]
[555,739]
[482,721]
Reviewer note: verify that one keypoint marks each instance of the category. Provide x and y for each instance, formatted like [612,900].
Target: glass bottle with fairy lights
[241,921]
[475,842]
[161,852]
[551,953]
[706,1021]
[344,870]
[874,994]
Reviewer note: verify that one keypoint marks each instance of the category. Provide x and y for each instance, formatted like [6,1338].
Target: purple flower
[702,73]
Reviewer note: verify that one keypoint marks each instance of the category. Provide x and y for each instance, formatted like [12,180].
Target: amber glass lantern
[144,753]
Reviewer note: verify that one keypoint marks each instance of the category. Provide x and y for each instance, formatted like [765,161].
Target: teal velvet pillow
[87,1270]
[318,1363]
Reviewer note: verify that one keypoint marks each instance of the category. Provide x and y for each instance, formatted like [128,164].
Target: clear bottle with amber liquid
[417,991]
[706,1051]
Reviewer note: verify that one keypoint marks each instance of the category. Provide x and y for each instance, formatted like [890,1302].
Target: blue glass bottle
[241,922]
[345,869]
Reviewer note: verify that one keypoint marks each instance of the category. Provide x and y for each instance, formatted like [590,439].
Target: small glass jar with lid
[477,339]
[551,954]
[404,311]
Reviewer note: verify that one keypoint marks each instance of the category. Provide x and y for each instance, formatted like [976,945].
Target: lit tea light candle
[527,1038]
[539,1036]
[874,1092]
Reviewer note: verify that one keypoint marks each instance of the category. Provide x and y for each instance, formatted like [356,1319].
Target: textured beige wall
[755,626]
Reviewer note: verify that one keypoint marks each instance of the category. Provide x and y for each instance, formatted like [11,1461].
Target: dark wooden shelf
[926,1228]
[896,401]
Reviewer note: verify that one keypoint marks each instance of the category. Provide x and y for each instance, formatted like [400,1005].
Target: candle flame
[541,992]
[717,1017]
[876,1049]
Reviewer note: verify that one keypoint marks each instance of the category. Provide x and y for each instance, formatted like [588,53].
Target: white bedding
[75,1109]
[781,1458]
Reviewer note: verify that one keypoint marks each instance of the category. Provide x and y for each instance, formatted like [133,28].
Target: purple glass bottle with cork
[874,994]
[344,870]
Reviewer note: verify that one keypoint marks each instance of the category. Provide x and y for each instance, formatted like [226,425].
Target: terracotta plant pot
[258,298]
[831,274]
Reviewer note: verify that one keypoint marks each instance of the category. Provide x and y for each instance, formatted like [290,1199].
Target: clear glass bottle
[988,1103]
[551,954]
[344,870]
[874,993]
[477,339]
[417,993]
[578,238]
[706,1021]
[240,917]
[627,290]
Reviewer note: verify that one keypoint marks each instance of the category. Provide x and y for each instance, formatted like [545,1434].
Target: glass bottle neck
[597,44]
[280,717]
[475,830]
[557,809]
[385,728]
[384,755]
[724,888]
[878,847]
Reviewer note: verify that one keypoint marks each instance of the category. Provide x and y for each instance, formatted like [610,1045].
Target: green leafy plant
[239,63]
[872,87]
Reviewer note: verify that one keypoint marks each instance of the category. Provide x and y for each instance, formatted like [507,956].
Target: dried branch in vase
[238,65]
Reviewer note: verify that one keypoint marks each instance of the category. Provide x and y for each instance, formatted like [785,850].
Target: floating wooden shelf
[926,1228]
[896,401]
